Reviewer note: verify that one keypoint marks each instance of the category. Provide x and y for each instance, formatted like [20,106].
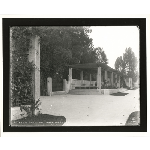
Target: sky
[115,39]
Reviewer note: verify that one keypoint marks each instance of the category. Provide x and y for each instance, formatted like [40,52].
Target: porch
[98,77]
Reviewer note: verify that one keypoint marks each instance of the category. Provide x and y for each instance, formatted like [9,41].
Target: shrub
[21,69]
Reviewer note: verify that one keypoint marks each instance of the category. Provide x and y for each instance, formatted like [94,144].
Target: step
[90,93]
[84,87]
[59,93]
[84,92]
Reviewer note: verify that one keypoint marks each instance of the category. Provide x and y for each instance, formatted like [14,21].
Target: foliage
[128,64]
[131,63]
[100,55]
[21,78]
[31,108]
[21,70]
[119,64]
[60,46]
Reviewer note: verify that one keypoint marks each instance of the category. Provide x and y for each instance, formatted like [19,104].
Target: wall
[16,113]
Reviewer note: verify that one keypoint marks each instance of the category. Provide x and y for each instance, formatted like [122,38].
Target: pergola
[99,68]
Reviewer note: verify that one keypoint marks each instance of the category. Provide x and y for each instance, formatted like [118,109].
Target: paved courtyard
[92,110]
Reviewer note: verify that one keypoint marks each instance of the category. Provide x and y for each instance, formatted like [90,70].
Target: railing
[82,83]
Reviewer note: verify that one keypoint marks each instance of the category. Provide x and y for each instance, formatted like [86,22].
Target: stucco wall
[16,113]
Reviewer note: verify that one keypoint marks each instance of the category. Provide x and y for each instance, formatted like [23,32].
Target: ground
[92,110]
[40,120]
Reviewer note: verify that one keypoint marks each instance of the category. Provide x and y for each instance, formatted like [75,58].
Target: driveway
[92,110]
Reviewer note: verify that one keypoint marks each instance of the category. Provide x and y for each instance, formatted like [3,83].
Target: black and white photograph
[74,75]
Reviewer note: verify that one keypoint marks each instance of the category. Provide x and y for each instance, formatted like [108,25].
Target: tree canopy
[100,55]
[128,64]
[59,46]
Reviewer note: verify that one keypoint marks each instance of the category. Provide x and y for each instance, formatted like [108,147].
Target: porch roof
[95,66]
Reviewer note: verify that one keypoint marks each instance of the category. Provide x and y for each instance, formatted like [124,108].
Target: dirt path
[92,110]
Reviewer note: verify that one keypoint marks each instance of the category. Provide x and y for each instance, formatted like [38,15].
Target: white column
[99,77]
[116,78]
[64,85]
[131,83]
[70,77]
[34,56]
[49,86]
[112,81]
[119,81]
[105,75]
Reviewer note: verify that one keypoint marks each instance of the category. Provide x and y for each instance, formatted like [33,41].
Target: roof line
[94,66]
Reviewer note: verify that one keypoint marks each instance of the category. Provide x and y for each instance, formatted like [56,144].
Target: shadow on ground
[135,88]
[40,120]
[119,94]
[133,119]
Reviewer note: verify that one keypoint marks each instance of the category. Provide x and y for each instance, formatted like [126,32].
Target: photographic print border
[140,22]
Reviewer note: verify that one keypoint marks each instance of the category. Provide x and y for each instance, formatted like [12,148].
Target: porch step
[88,87]
[59,93]
[84,92]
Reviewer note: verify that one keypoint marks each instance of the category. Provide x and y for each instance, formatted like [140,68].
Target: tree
[119,65]
[59,47]
[127,65]
[130,63]
[100,55]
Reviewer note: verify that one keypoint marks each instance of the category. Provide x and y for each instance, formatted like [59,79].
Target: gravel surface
[92,110]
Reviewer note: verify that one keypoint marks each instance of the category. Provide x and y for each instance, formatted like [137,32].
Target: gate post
[65,85]
[99,78]
[70,78]
[49,86]
[34,56]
